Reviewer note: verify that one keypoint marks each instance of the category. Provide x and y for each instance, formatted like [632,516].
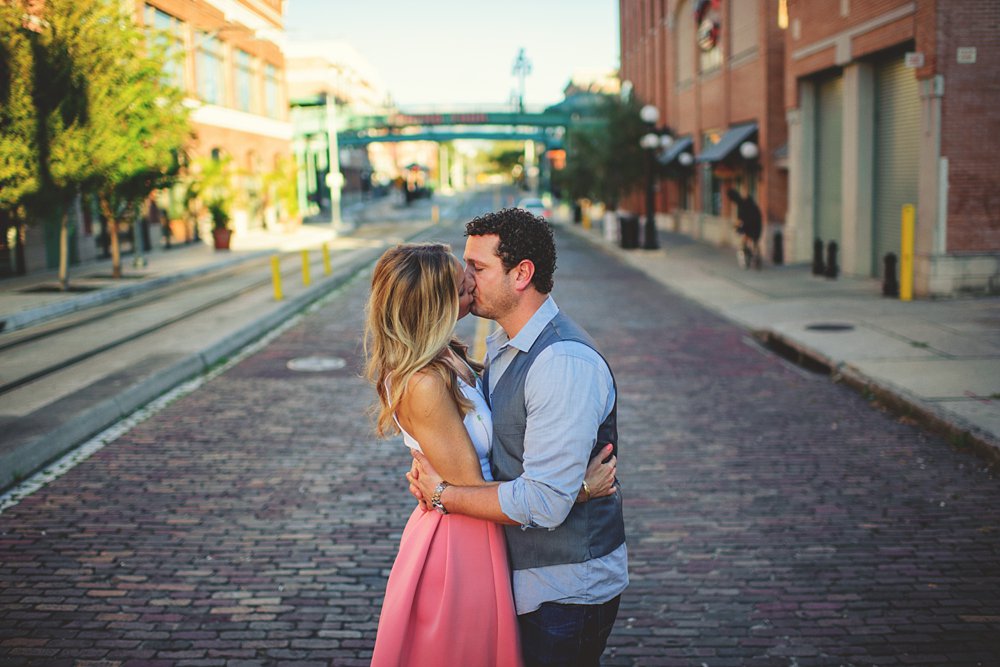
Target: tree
[72,34]
[19,175]
[138,128]
[603,158]
[106,122]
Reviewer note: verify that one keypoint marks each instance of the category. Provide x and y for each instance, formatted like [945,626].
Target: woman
[448,600]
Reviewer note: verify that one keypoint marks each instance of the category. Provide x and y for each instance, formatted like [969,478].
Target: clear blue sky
[462,51]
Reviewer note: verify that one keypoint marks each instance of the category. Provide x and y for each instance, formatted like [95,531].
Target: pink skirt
[448,600]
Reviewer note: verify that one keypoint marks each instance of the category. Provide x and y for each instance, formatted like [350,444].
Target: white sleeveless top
[478,422]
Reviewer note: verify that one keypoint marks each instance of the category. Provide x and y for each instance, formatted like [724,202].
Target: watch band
[436,497]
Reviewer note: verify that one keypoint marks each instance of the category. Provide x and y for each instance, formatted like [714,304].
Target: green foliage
[18,124]
[219,212]
[281,187]
[209,186]
[505,158]
[138,123]
[603,158]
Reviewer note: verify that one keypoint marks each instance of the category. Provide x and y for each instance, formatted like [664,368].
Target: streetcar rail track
[129,304]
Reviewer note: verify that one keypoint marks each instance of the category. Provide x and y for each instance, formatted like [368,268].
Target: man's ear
[523,273]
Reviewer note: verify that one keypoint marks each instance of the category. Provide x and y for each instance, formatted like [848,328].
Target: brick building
[872,129]
[720,95]
[857,107]
[233,69]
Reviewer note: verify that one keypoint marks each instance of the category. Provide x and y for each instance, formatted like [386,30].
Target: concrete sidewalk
[35,298]
[934,360]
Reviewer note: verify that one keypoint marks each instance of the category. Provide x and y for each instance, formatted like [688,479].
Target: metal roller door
[897,154]
[829,149]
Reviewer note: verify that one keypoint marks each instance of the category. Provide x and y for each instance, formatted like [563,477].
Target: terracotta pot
[222,238]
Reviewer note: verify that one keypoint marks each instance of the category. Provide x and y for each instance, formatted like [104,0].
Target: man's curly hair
[522,236]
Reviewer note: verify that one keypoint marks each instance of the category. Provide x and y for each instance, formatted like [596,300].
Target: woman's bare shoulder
[425,391]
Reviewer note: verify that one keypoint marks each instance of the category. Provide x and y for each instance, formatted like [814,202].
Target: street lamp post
[652,142]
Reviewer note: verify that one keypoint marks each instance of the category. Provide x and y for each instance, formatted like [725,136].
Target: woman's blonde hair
[411,316]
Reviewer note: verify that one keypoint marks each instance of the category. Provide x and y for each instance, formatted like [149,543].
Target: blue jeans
[567,635]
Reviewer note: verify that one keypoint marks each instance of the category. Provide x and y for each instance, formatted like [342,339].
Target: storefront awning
[730,141]
[670,155]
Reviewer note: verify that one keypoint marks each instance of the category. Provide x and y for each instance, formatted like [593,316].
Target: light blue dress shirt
[568,393]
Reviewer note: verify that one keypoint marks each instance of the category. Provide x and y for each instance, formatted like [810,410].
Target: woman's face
[466,285]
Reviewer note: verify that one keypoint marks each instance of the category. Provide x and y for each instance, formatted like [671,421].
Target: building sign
[966,55]
[914,59]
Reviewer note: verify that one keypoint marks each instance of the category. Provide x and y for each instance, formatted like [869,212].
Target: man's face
[494,295]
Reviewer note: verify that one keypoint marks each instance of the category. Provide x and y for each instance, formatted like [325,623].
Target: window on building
[245,97]
[167,32]
[272,91]
[743,33]
[711,186]
[684,39]
[211,78]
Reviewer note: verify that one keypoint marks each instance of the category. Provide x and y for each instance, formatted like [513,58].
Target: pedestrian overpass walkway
[547,127]
[438,124]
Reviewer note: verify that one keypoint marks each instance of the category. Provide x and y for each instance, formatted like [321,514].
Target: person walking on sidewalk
[553,400]
[451,571]
[749,227]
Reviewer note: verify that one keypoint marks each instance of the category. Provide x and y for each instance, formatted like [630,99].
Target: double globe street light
[654,141]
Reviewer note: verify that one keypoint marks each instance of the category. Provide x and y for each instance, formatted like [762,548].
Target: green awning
[730,141]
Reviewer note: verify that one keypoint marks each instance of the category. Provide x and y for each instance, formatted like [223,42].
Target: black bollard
[577,213]
[831,260]
[818,268]
[890,285]
[778,249]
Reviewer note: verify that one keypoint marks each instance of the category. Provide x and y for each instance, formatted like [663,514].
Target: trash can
[628,227]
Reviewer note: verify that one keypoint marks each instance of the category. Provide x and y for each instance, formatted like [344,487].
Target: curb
[959,433]
[31,316]
[35,454]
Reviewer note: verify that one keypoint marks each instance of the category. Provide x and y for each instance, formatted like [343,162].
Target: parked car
[535,206]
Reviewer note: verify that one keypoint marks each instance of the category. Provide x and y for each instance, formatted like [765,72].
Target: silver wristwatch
[436,497]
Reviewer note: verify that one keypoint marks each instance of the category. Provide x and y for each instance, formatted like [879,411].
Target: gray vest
[592,529]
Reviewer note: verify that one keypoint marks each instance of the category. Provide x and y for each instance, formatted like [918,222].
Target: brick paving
[774,518]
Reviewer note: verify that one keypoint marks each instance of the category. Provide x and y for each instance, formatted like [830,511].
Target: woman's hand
[412,478]
[600,476]
[423,479]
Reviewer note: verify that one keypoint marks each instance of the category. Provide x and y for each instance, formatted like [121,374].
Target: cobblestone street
[773,516]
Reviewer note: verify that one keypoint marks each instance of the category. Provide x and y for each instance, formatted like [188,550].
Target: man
[749,216]
[553,400]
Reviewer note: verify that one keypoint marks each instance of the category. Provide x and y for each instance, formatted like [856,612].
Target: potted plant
[221,232]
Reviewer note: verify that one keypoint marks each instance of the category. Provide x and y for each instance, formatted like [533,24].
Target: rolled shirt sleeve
[568,393]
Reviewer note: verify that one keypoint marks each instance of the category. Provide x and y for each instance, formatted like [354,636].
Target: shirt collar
[526,337]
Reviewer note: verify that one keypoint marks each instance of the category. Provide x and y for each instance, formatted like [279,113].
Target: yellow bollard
[435,214]
[585,217]
[305,268]
[326,260]
[906,254]
[276,278]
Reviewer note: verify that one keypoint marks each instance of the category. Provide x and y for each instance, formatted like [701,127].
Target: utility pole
[333,177]
[522,68]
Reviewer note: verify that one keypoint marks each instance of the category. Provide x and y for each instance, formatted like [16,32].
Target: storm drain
[829,326]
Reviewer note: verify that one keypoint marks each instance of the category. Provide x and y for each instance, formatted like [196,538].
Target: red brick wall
[716,100]
[970,107]
[970,133]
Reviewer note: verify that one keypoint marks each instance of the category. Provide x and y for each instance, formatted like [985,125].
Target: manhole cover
[316,364]
[828,326]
